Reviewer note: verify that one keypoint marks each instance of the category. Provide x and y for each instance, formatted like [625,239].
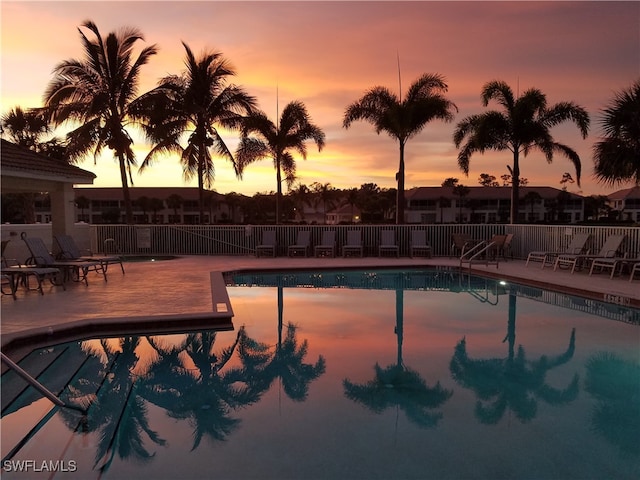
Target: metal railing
[243,239]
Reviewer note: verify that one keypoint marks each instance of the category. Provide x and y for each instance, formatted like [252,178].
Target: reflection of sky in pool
[447,378]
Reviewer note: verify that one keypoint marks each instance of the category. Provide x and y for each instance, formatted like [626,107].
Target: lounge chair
[76,270]
[15,274]
[460,243]
[634,269]
[496,246]
[327,247]
[8,280]
[419,244]
[268,245]
[302,245]
[602,264]
[354,244]
[506,247]
[609,250]
[70,251]
[577,246]
[388,243]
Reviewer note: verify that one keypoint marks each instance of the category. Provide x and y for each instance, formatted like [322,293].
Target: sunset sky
[327,54]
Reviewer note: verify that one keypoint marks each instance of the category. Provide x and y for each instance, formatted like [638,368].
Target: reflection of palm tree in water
[511,382]
[204,395]
[286,363]
[399,386]
[116,412]
[615,384]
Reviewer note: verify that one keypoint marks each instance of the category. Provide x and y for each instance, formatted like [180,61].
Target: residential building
[152,205]
[627,203]
[492,205]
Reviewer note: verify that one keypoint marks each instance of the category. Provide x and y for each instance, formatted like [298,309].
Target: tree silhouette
[615,383]
[261,138]
[117,413]
[403,119]
[400,386]
[617,154]
[523,125]
[198,102]
[97,92]
[512,383]
[285,363]
[206,395]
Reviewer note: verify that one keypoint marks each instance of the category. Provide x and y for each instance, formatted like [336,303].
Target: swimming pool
[349,374]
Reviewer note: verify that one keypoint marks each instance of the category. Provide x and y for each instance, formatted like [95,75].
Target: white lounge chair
[610,249]
[577,246]
[419,244]
[302,245]
[354,244]
[268,245]
[388,243]
[328,244]
[602,264]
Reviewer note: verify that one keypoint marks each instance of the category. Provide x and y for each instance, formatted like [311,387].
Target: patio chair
[634,269]
[388,243]
[69,251]
[577,246]
[461,242]
[268,245]
[497,246]
[506,247]
[610,249]
[302,245]
[15,274]
[354,244]
[602,264]
[76,270]
[327,246]
[419,244]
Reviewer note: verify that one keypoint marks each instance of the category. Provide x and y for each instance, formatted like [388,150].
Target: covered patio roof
[24,171]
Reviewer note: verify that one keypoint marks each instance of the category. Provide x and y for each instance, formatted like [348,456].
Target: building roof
[627,193]
[482,193]
[115,193]
[20,162]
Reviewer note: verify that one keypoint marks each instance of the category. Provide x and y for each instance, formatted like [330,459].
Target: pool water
[351,374]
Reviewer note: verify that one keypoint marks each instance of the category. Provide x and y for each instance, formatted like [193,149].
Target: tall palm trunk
[515,186]
[200,193]
[278,189]
[125,189]
[400,192]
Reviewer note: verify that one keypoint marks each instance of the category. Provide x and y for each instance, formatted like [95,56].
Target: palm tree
[197,102]
[523,126]
[617,155]
[97,92]
[175,201]
[403,119]
[532,198]
[461,192]
[276,142]
[82,203]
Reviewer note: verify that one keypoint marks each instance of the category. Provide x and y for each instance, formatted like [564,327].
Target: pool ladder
[479,254]
[35,383]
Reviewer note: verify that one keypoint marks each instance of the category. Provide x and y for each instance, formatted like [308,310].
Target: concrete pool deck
[182,286]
